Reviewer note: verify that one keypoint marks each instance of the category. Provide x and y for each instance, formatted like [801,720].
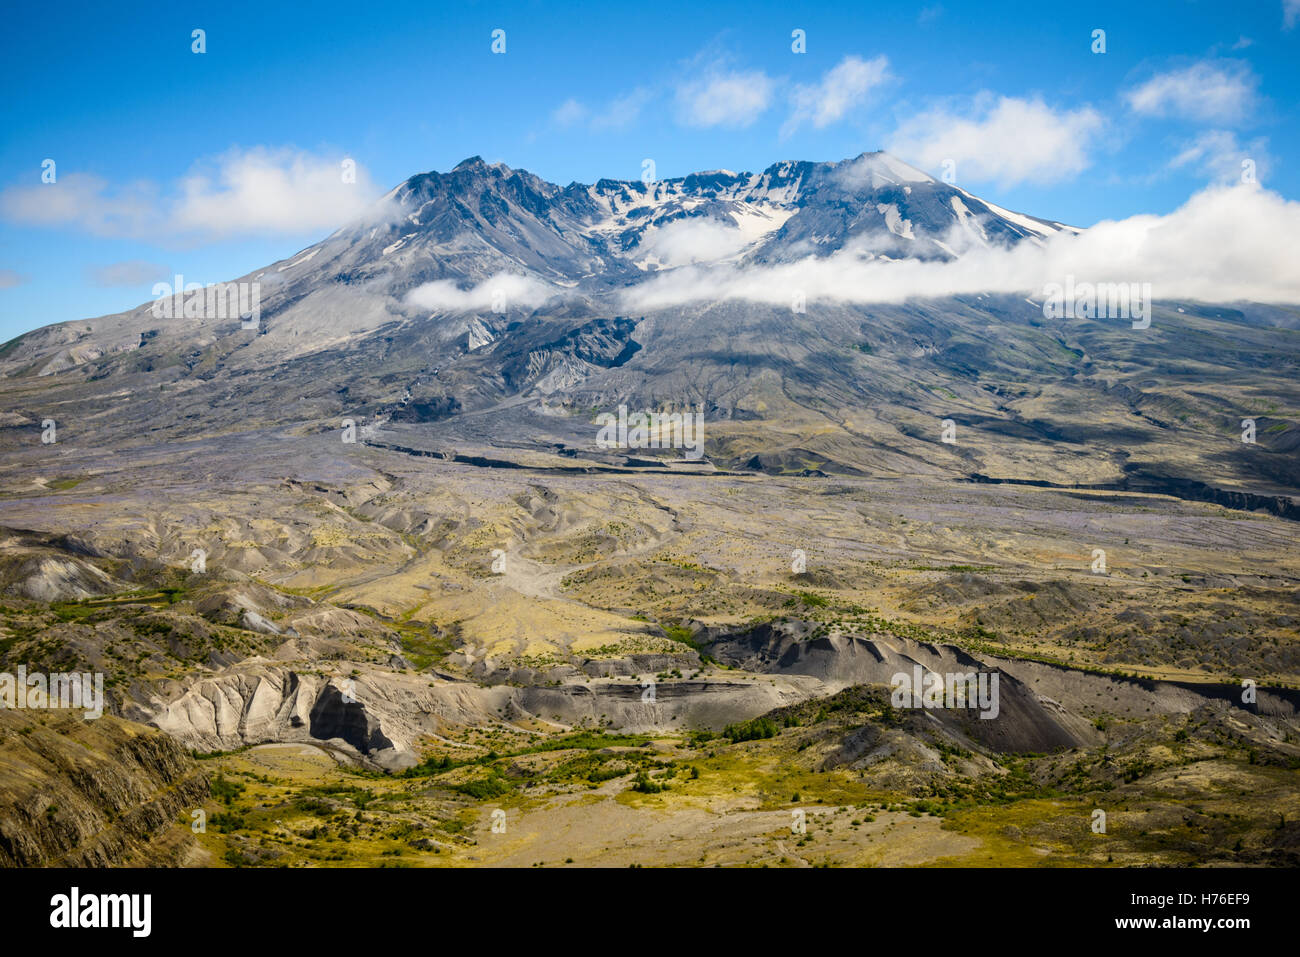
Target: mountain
[481,220]
[485,308]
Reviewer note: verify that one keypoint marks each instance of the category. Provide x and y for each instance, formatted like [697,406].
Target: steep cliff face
[259,702]
[98,793]
[380,717]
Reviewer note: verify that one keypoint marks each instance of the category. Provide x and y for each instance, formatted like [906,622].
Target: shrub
[750,730]
[647,785]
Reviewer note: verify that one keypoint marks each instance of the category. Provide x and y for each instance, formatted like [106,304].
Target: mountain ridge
[489,219]
[486,308]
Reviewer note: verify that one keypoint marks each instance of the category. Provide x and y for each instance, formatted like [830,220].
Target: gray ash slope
[843,388]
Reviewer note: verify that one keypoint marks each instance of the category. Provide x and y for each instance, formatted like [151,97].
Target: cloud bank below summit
[497,292]
[1225,244]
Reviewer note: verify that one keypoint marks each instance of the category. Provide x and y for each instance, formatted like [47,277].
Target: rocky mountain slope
[484,308]
[77,793]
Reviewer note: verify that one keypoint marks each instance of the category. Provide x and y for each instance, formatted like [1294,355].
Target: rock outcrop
[97,793]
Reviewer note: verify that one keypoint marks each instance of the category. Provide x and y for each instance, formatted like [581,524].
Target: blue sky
[214,164]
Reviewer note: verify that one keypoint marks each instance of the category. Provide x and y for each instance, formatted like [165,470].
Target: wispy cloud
[1290,13]
[1221,158]
[254,192]
[86,202]
[618,114]
[844,87]
[623,111]
[727,98]
[9,279]
[1223,245]
[569,113]
[1003,139]
[1220,91]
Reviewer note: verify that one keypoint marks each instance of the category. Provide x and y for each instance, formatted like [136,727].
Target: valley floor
[379,655]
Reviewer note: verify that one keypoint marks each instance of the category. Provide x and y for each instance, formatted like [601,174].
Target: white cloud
[502,291]
[1004,139]
[1219,156]
[1290,13]
[1223,245]
[569,113]
[9,279]
[133,272]
[689,241]
[1221,91]
[264,191]
[730,99]
[85,201]
[255,192]
[620,113]
[846,85]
